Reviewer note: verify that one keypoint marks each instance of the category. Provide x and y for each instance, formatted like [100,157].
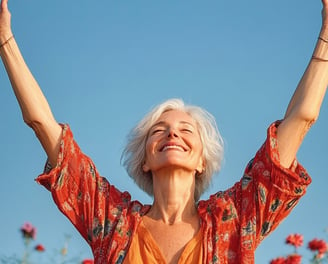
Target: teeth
[173,147]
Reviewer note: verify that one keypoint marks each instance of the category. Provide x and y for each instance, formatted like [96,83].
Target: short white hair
[134,154]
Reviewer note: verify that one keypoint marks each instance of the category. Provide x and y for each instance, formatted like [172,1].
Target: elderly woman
[172,154]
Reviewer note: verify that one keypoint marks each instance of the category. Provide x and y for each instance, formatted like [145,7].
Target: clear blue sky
[104,64]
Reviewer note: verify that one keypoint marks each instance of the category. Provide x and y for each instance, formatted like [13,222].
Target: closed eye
[157,131]
[187,130]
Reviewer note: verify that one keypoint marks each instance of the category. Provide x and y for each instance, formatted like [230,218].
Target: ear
[201,166]
[145,167]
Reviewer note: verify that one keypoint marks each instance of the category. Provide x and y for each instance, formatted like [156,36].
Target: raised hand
[34,106]
[324,13]
[5,25]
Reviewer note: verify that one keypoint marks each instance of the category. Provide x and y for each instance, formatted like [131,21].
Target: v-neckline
[147,237]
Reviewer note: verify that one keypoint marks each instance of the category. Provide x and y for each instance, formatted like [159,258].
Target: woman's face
[174,143]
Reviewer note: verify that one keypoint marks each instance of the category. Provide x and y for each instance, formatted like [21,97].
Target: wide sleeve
[268,191]
[242,216]
[95,207]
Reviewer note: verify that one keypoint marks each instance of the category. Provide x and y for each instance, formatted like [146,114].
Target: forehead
[176,116]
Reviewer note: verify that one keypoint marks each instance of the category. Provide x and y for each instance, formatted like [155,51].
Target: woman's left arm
[304,107]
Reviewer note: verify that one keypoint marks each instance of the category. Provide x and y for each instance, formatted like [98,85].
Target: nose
[172,133]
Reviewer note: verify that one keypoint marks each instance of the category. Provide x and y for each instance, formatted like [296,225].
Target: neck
[173,198]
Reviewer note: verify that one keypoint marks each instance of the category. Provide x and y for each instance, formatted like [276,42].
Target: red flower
[28,231]
[63,251]
[87,261]
[279,260]
[295,240]
[294,259]
[318,245]
[39,248]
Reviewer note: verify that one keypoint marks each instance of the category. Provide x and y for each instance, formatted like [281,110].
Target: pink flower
[318,245]
[295,240]
[39,248]
[279,260]
[28,231]
[294,259]
[87,261]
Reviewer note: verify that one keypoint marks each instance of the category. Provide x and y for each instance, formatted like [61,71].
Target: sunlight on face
[174,143]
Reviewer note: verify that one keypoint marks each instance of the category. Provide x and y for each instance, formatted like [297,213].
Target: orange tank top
[144,250]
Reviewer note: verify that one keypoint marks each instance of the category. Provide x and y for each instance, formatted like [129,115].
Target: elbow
[34,124]
[37,120]
[30,121]
[309,117]
[304,114]
[37,123]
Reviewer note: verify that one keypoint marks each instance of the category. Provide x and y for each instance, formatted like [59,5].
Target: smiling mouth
[172,147]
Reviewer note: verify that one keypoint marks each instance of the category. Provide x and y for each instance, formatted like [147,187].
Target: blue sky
[103,64]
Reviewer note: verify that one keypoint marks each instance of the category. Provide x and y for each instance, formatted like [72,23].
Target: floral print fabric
[234,221]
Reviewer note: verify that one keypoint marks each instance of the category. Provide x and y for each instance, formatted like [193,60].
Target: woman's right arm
[34,106]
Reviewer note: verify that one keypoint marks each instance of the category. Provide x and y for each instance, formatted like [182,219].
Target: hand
[5,25]
[324,13]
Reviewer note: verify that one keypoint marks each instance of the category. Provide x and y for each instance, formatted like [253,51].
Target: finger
[4,4]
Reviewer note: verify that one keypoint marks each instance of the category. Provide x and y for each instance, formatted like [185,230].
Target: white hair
[134,154]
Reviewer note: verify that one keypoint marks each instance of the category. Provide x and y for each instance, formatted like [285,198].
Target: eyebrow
[164,123]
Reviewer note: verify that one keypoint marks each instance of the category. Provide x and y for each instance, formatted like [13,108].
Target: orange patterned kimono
[233,222]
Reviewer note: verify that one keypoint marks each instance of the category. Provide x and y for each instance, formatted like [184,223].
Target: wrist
[5,41]
[5,34]
[324,32]
[320,52]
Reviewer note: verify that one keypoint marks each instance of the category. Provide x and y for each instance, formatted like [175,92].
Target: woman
[172,154]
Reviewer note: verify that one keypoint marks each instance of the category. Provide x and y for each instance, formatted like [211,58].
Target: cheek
[146,162]
[149,149]
[199,146]
[151,143]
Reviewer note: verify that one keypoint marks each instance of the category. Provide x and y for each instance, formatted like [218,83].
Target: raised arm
[34,106]
[304,107]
